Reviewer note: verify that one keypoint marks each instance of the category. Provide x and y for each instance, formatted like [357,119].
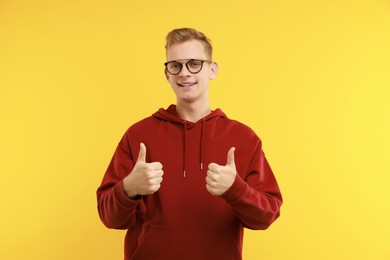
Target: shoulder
[141,126]
[238,127]
[237,132]
[150,120]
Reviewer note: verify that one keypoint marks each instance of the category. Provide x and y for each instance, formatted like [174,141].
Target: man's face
[187,86]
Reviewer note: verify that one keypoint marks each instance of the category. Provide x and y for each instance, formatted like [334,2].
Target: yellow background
[312,78]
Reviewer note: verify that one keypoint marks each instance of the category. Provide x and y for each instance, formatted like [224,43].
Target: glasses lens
[174,67]
[194,66]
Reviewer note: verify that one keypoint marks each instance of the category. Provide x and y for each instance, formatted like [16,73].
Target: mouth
[186,84]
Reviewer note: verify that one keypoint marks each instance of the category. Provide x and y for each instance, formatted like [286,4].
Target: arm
[255,196]
[116,209]
[120,202]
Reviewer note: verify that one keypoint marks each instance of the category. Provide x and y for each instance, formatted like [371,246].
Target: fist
[221,177]
[145,178]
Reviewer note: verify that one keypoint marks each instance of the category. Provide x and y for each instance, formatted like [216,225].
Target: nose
[184,71]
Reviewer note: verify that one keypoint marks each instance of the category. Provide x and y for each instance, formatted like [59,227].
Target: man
[185,181]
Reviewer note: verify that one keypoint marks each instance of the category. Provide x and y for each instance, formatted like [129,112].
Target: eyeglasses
[194,66]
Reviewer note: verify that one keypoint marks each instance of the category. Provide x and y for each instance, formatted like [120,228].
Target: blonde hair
[187,34]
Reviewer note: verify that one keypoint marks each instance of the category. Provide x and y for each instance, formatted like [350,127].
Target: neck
[193,111]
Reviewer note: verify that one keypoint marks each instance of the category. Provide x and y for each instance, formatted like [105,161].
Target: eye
[174,65]
[195,63]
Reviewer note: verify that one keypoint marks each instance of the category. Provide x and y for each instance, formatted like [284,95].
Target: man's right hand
[145,178]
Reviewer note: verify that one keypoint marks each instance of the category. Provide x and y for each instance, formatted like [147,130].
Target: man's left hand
[221,177]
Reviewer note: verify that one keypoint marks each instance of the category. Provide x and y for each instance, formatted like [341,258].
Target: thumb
[230,157]
[142,153]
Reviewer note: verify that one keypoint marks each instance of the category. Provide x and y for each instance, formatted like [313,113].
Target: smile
[186,84]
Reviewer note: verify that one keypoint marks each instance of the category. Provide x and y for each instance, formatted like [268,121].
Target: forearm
[254,208]
[116,210]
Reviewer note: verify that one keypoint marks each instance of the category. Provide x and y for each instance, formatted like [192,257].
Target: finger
[208,180]
[159,180]
[142,153]
[150,174]
[208,188]
[156,181]
[155,188]
[155,166]
[158,174]
[230,157]
[213,167]
[212,178]
[210,174]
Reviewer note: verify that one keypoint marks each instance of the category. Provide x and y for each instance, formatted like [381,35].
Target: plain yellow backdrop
[312,78]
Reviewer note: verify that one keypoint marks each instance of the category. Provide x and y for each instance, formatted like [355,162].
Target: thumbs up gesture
[221,177]
[145,178]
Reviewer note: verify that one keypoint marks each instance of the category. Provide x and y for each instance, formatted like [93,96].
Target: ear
[213,70]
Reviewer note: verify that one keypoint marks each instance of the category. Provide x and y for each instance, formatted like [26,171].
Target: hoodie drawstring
[201,144]
[184,148]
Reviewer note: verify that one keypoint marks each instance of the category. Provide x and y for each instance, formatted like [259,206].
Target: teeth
[186,84]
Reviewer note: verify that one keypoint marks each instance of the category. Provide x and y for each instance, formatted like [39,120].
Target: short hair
[187,34]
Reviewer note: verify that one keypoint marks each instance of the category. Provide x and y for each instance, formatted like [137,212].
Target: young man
[185,181]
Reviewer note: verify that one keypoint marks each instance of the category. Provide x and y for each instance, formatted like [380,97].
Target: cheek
[169,78]
[171,81]
[204,77]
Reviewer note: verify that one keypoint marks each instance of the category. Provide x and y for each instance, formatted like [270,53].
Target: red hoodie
[182,220]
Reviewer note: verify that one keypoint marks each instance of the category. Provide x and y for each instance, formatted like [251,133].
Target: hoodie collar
[170,114]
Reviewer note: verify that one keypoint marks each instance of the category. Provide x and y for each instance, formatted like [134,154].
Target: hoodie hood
[170,115]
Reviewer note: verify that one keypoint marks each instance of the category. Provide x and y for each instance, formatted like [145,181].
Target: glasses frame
[186,62]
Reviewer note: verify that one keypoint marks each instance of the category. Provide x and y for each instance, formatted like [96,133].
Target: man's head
[187,34]
[189,65]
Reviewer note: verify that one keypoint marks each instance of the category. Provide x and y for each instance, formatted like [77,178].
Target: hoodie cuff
[123,198]
[235,191]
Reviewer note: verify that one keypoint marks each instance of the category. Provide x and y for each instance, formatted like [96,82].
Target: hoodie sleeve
[116,209]
[255,195]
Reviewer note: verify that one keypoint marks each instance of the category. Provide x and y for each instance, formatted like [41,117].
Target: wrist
[128,190]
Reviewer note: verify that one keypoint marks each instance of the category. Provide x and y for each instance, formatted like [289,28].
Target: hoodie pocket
[187,243]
